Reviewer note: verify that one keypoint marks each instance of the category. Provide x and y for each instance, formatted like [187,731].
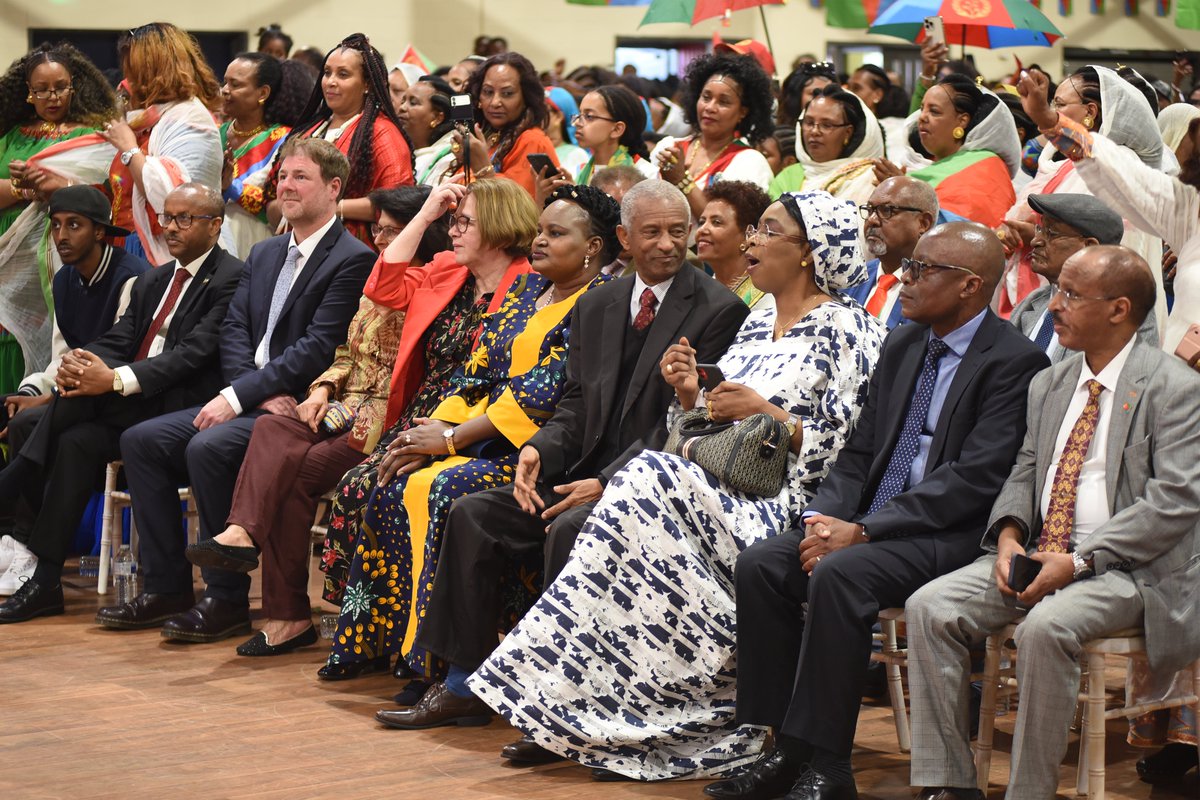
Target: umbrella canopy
[694,11]
[979,23]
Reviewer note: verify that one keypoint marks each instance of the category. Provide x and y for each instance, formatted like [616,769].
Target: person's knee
[1044,631]
[923,609]
[210,449]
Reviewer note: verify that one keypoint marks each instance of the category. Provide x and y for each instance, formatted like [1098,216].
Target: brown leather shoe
[210,620]
[949,793]
[526,751]
[438,707]
[147,610]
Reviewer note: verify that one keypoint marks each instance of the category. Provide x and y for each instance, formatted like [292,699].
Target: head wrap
[565,102]
[831,226]
[871,146]
[1174,121]
[411,72]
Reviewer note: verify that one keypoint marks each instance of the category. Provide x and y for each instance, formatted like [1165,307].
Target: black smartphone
[710,376]
[539,162]
[1021,572]
[462,112]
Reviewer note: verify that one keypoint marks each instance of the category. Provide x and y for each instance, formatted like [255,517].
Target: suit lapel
[612,329]
[197,285]
[972,360]
[1130,388]
[311,267]
[671,313]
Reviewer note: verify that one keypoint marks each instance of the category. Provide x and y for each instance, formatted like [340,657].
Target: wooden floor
[90,713]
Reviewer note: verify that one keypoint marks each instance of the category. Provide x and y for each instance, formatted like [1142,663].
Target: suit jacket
[1027,316]
[188,370]
[1152,480]
[862,293]
[974,444]
[311,325]
[696,306]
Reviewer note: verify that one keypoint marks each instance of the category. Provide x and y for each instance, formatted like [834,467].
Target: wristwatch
[128,155]
[118,384]
[1082,570]
[448,436]
[792,423]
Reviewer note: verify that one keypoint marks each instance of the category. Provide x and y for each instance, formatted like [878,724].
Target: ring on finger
[818,561]
[670,369]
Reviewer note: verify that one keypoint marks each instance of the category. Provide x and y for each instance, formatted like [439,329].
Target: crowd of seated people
[974,326]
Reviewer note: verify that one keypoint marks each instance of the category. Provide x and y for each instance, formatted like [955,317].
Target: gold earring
[804,263]
[1088,122]
[29,99]
[845,142]
[262,100]
[959,133]
[432,124]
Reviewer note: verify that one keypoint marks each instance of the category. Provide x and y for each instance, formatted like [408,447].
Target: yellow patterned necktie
[1060,517]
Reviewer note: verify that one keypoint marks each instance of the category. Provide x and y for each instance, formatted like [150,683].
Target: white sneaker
[7,551]
[19,571]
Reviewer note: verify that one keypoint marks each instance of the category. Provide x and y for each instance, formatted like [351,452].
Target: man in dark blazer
[161,355]
[613,407]
[1105,495]
[906,501]
[288,316]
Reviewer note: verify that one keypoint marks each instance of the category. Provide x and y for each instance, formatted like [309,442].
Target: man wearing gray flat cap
[1070,222]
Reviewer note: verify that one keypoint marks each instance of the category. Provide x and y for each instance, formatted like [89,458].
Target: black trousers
[484,531]
[803,674]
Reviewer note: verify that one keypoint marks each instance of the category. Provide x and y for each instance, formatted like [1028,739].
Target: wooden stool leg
[896,686]
[987,712]
[1094,733]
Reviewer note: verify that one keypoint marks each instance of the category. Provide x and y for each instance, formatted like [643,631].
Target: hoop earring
[1088,122]
[959,133]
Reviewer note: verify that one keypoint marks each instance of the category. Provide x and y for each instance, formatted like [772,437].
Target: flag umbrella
[694,11]
[978,23]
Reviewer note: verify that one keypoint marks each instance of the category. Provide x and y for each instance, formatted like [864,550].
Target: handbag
[338,419]
[749,456]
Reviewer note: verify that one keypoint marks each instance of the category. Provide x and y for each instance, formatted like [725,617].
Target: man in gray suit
[1105,495]
[1070,222]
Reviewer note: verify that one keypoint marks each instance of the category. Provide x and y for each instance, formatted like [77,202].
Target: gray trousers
[949,615]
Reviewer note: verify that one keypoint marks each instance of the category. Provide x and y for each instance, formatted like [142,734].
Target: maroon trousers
[286,470]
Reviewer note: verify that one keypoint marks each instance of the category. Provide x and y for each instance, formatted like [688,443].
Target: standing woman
[168,137]
[727,100]
[424,113]
[510,114]
[49,98]
[610,123]
[262,99]
[351,108]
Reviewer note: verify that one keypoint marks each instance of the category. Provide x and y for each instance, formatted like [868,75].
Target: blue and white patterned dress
[627,660]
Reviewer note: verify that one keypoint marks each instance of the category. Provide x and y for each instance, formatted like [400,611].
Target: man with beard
[900,210]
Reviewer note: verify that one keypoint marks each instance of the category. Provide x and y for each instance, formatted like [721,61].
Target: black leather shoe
[767,778]
[608,776]
[439,707]
[211,553]
[145,611]
[815,786]
[32,600]
[950,793]
[526,751]
[258,645]
[350,670]
[1169,764]
[210,620]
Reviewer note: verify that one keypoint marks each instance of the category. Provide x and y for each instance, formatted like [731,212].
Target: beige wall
[543,29]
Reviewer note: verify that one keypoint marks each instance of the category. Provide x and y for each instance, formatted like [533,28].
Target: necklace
[547,299]
[691,157]
[808,306]
[50,129]
[732,283]
[255,131]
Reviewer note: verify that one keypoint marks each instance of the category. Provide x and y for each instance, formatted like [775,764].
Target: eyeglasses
[1042,232]
[917,269]
[1069,297]
[389,232]
[46,94]
[885,211]
[460,222]
[823,127]
[183,221]
[763,235]
[588,117]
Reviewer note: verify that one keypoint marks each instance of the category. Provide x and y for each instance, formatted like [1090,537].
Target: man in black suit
[161,355]
[290,312]
[907,501]
[613,407]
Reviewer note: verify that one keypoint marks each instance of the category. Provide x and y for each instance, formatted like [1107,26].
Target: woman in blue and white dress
[627,661]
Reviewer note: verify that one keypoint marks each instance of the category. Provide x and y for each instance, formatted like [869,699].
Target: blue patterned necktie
[895,477]
[1045,332]
[283,286]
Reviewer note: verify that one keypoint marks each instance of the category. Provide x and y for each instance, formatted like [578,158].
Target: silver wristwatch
[128,155]
[1082,570]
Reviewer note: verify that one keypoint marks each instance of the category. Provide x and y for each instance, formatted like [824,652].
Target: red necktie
[878,297]
[176,289]
[645,314]
[1060,515]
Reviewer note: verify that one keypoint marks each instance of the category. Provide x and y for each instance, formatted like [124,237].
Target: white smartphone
[935,31]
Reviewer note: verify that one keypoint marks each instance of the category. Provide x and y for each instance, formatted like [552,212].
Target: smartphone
[1189,347]
[935,30]
[710,376]
[1021,572]
[539,162]
[461,110]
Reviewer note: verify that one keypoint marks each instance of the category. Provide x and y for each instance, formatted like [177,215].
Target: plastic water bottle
[125,575]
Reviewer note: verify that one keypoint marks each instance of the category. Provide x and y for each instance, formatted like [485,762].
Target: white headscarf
[1174,121]
[870,147]
[995,130]
[411,72]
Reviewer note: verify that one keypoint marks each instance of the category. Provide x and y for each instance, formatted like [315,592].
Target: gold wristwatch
[118,384]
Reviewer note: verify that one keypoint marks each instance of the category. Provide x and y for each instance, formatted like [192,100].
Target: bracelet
[930,78]
[686,184]
[486,171]
[14,188]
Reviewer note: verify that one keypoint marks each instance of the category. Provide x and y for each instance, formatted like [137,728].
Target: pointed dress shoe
[210,620]
[259,646]
[950,793]
[815,786]
[439,707]
[147,610]
[767,778]
[526,751]
[211,553]
[349,670]
[1169,764]
[32,600]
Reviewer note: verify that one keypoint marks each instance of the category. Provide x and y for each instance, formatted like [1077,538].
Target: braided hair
[1086,83]
[625,106]
[361,153]
[604,215]
[967,99]
[533,97]
[440,99]
[92,98]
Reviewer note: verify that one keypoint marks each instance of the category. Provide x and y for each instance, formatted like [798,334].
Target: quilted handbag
[750,456]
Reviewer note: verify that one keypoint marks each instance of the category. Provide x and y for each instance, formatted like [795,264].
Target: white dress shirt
[659,289]
[1091,494]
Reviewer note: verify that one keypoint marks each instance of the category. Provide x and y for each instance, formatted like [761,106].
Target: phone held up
[935,30]
[542,165]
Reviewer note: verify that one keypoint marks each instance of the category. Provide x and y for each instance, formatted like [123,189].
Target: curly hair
[532,95]
[296,84]
[853,111]
[625,106]
[92,99]
[604,215]
[402,204]
[746,199]
[162,63]
[361,153]
[754,91]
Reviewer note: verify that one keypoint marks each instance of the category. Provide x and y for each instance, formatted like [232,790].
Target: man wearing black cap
[160,356]
[1054,241]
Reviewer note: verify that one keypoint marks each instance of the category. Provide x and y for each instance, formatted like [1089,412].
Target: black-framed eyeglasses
[823,127]
[182,221]
[917,269]
[460,223]
[1068,297]
[1042,232]
[885,211]
[46,94]
[589,118]
[389,231]
[762,235]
